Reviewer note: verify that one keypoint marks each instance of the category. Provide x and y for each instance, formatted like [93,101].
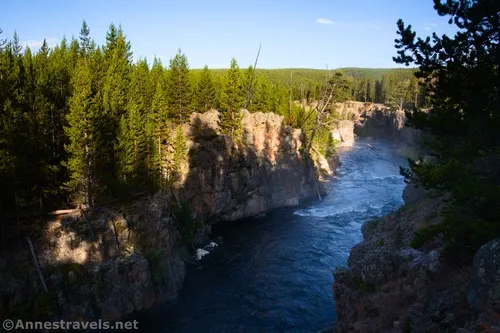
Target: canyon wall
[389,286]
[266,169]
[110,263]
[379,121]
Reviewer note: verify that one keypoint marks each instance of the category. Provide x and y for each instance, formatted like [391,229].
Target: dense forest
[82,123]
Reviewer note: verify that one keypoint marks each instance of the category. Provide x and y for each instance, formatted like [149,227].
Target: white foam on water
[212,245]
[334,211]
[200,253]
[327,211]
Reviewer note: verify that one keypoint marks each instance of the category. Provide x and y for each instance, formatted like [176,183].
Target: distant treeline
[376,85]
[79,121]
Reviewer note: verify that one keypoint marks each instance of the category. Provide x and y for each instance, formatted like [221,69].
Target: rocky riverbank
[106,263]
[389,286]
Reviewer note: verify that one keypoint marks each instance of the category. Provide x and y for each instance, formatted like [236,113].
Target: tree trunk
[37,265]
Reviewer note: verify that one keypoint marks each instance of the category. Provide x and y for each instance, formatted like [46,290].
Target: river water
[274,274]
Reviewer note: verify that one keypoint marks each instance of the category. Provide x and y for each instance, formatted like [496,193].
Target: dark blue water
[275,274]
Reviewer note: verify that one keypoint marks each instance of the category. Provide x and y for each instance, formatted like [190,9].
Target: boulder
[484,288]
[413,193]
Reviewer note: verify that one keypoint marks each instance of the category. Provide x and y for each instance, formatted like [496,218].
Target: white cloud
[430,25]
[36,44]
[324,21]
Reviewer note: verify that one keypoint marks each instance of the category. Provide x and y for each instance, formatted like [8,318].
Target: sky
[293,33]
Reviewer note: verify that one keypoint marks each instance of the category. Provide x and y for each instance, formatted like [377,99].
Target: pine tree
[205,92]
[111,42]
[180,153]
[157,74]
[179,88]
[248,86]
[114,99]
[280,101]
[262,101]
[115,88]
[231,101]
[131,136]
[400,95]
[85,40]
[157,133]
[141,74]
[80,131]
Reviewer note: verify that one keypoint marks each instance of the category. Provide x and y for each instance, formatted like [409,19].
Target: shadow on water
[274,274]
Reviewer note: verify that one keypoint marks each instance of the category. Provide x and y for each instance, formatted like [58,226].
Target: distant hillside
[367,84]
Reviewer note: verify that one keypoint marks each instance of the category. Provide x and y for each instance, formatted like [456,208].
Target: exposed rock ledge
[391,287]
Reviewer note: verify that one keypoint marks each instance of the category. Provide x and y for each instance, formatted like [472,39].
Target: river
[274,274]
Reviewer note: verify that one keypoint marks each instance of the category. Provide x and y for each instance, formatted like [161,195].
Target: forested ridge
[82,123]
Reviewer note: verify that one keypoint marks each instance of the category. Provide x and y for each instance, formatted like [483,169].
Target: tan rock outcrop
[229,181]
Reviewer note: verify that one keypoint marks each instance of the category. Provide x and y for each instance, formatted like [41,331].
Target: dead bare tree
[331,93]
[250,91]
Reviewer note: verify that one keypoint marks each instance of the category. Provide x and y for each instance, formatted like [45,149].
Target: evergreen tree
[205,92]
[141,75]
[280,101]
[80,130]
[115,88]
[111,42]
[157,132]
[114,99]
[399,95]
[248,86]
[131,136]
[180,153]
[231,101]
[156,75]
[262,100]
[85,40]
[463,75]
[380,91]
[179,88]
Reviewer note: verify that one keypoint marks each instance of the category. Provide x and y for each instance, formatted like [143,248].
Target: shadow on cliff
[233,179]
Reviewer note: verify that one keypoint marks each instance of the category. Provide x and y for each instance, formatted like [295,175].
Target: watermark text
[20,325]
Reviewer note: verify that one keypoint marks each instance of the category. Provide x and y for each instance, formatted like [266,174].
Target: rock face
[484,288]
[343,134]
[389,286]
[228,180]
[130,265]
[386,285]
[381,121]
[378,120]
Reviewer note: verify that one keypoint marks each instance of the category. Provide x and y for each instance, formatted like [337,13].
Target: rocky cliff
[343,134]
[96,264]
[378,120]
[389,286]
[104,264]
[266,169]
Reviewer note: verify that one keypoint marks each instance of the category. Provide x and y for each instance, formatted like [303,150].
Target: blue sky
[293,33]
